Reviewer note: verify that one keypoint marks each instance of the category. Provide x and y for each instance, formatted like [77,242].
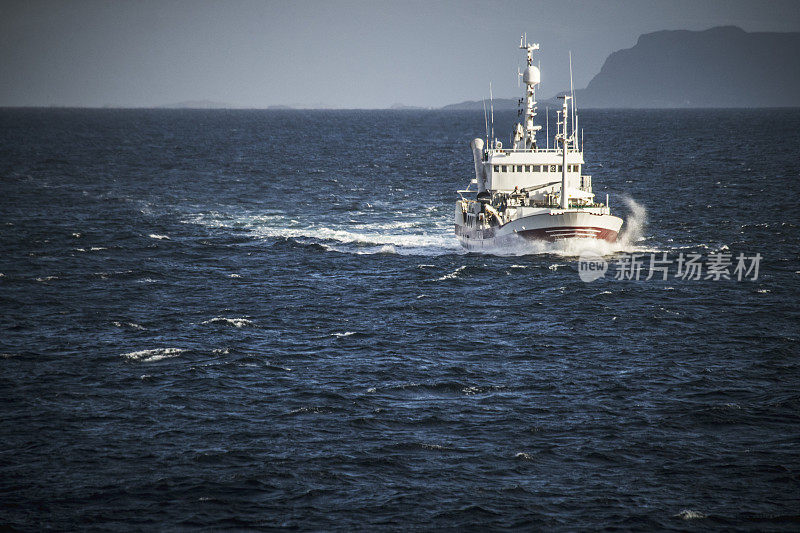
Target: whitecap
[525,456]
[159,237]
[437,447]
[236,322]
[453,274]
[46,278]
[234,276]
[688,514]
[156,354]
[131,325]
[345,334]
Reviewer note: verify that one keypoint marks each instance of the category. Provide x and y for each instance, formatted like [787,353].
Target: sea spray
[635,224]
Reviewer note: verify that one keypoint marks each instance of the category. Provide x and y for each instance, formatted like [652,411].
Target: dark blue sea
[258,320]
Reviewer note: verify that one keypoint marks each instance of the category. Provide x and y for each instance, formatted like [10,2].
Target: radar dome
[531,76]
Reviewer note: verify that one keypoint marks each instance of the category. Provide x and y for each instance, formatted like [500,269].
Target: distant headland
[719,67]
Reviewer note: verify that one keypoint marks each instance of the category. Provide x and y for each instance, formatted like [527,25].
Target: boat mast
[562,138]
[531,78]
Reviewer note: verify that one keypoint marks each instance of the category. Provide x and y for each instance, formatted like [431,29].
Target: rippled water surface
[243,319]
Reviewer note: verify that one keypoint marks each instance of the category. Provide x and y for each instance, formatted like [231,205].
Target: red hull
[569,232]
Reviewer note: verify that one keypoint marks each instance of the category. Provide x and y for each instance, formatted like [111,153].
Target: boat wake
[416,236]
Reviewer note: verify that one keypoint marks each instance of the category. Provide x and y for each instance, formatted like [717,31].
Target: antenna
[491,105]
[486,123]
[571,92]
[547,125]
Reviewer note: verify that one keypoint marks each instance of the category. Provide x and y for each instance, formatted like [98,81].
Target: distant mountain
[404,107]
[720,67]
[197,104]
[500,104]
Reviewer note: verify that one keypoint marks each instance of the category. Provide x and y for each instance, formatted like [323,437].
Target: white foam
[453,274]
[131,325]
[234,276]
[150,356]
[345,334]
[435,447]
[418,236]
[236,322]
[688,514]
[46,278]
[387,249]
[159,237]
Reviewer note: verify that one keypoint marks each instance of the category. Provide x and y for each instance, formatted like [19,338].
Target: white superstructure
[528,191]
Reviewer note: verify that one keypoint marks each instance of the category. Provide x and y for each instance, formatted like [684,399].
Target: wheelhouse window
[503,168]
[519,168]
[537,168]
[497,168]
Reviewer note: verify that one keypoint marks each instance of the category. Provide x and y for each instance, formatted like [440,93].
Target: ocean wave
[159,237]
[156,354]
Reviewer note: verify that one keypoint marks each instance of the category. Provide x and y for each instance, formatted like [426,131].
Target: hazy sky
[336,53]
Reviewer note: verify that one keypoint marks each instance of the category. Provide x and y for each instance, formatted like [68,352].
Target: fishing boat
[526,191]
